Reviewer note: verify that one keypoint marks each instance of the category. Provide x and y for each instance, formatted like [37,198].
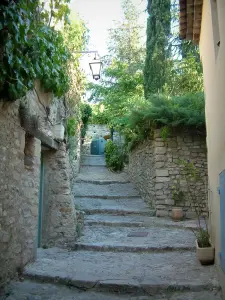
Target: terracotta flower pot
[177,214]
[205,255]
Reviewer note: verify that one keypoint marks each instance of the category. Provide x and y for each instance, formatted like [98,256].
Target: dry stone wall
[142,172]
[154,169]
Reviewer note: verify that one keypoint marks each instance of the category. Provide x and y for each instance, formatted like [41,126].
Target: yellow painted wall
[213,58]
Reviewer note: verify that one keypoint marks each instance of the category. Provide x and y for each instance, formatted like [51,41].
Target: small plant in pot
[178,197]
[204,249]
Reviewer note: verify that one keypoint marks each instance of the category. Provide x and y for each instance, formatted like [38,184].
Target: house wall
[19,180]
[154,169]
[213,58]
[20,154]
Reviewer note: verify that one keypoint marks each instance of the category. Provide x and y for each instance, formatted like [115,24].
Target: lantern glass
[95,67]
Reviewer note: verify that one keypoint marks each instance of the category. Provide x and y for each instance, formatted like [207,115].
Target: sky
[99,16]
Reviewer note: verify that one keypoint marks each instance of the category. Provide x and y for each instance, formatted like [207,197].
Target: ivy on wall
[31,48]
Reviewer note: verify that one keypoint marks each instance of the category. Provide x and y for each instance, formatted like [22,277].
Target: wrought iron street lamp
[95,65]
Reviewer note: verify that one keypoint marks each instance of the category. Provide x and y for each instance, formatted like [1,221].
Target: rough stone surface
[93,160]
[155,271]
[45,291]
[20,154]
[154,170]
[138,221]
[96,173]
[111,262]
[85,189]
[59,223]
[117,238]
[113,206]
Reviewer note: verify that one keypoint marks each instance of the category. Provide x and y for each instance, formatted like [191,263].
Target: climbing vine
[31,48]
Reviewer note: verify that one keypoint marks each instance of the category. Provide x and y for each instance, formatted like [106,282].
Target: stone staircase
[125,252]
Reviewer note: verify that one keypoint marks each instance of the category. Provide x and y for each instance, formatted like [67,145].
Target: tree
[157,46]
[122,81]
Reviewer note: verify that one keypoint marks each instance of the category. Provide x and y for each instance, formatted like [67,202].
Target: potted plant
[177,196]
[204,249]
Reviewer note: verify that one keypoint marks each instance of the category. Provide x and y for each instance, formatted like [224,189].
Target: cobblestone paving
[114,259]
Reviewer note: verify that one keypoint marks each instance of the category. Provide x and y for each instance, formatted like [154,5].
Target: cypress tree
[157,49]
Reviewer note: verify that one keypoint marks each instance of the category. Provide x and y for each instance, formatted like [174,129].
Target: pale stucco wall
[213,58]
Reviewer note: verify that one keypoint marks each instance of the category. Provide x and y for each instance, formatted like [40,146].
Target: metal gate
[222,219]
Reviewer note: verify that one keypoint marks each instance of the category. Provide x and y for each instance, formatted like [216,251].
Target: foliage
[192,175]
[72,124]
[177,193]
[31,48]
[121,85]
[75,38]
[172,66]
[86,112]
[158,33]
[99,115]
[114,156]
[161,111]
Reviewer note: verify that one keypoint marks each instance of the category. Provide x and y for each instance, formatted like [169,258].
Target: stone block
[160,158]
[162,213]
[169,202]
[159,164]
[190,215]
[172,144]
[162,179]
[162,172]
[159,186]
[160,150]
[159,144]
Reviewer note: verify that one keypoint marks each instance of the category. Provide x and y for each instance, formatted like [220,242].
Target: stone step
[123,272]
[93,160]
[115,206]
[46,291]
[100,181]
[100,173]
[125,239]
[110,190]
[138,221]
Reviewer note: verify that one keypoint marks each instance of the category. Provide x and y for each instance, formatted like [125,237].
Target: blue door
[95,147]
[222,219]
[102,143]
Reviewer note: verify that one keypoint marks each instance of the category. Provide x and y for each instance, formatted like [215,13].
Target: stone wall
[154,170]
[27,129]
[74,145]
[19,180]
[142,172]
[59,223]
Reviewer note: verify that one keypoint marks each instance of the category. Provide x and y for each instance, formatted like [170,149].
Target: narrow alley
[124,251]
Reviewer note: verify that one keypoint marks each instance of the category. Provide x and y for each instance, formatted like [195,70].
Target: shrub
[114,157]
